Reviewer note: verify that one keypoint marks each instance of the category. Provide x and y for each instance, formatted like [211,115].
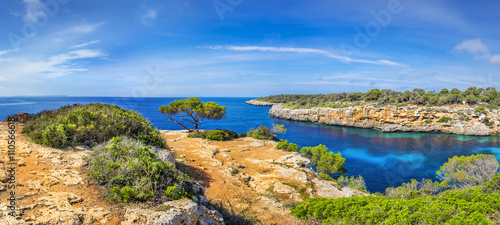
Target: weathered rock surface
[259,103]
[52,187]
[464,121]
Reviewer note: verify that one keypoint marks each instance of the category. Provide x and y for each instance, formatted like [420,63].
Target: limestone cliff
[259,103]
[464,120]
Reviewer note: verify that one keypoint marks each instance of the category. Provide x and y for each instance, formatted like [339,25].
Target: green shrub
[357,183]
[131,171]
[89,125]
[415,188]
[215,135]
[488,122]
[480,110]
[468,171]
[444,119]
[283,144]
[234,171]
[326,162]
[325,177]
[262,133]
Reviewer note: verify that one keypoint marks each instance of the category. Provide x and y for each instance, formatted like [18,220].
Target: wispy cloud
[480,50]
[83,28]
[8,51]
[85,44]
[33,10]
[148,17]
[306,51]
[56,65]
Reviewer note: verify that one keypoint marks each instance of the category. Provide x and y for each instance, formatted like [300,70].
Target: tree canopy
[192,110]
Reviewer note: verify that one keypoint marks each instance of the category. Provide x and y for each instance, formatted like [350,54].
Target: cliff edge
[453,120]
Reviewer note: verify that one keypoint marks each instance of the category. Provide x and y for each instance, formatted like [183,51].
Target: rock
[259,103]
[180,212]
[392,119]
[167,157]
[21,163]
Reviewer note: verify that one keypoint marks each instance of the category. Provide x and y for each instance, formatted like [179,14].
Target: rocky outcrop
[52,187]
[464,120]
[259,103]
[180,212]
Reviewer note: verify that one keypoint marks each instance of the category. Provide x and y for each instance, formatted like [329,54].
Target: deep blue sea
[383,159]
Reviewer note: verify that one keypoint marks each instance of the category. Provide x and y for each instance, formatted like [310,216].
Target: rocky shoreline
[259,103]
[463,120]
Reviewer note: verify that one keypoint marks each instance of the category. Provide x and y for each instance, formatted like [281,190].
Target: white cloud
[472,46]
[8,51]
[33,10]
[306,51]
[83,28]
[149,16]
[56,65]
[85,44]
[480,50]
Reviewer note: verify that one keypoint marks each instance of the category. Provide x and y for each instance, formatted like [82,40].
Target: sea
[383,159]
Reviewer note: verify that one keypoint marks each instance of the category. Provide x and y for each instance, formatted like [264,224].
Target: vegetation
[444,119]
[130,170]
[472,96]
[291,147]
[357,183]
[215,135]
[325,162]
[89,125]
[424,202]
[262,133]
[192,110]
[468,171]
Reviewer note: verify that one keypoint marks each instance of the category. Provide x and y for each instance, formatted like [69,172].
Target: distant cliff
[259,103]
[455,120]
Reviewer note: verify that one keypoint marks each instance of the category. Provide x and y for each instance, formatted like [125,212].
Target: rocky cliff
[259,103]
[462,120]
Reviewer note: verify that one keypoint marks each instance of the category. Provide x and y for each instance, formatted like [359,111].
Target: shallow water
[383,159]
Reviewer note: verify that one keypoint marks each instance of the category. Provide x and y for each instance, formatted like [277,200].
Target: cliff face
[259,103]
[464,120]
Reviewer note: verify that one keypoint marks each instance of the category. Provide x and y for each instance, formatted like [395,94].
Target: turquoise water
[383,159]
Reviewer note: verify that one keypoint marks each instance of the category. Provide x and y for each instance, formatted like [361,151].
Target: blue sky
[128,48]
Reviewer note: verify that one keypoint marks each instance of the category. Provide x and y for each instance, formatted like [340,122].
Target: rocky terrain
[248,177]
[52,188]
[251,177]
[259,103]
[463,120]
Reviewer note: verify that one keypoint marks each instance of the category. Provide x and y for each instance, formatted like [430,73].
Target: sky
[236,48]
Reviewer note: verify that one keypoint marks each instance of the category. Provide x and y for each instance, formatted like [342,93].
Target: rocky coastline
[463,120]
[259,103]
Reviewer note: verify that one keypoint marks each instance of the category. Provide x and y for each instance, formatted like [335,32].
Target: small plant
[480,110]
[214,135]
[444,119]
[326,162]
[234,171]
[357,183]
[325,177]
[291,147]
[488,122]
[262,133]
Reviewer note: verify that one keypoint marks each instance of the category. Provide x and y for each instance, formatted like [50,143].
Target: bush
[130,170]
[326,162]
[468,171]
[325,177]
[444,119]
[89,125]
[480,110]
[488,122]
[353,183]
[416,188]
[262,133]
[215,135]
[283,144]
[471,206]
